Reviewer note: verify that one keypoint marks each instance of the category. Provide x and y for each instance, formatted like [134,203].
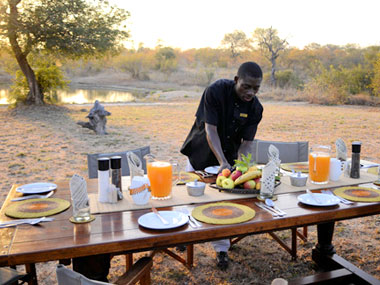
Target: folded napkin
[268,179]
[135,164]
[341,149]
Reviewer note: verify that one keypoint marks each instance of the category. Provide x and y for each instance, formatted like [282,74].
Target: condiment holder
[298,179]
[195,188]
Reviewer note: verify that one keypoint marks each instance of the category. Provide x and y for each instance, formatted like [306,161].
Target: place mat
[377,183]
[180,196]
[186,177]
[36,208]
[358,194]
[223,213]
[296,166]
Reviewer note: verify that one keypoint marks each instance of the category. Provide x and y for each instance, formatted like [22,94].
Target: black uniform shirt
[236,120]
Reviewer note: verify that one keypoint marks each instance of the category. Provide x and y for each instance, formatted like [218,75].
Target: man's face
[247,87]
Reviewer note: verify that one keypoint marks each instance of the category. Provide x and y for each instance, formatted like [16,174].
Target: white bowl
[298,179]
[195,188]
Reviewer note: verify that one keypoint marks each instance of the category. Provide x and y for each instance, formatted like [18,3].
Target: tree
[70,28]
[271,45]
[236,41]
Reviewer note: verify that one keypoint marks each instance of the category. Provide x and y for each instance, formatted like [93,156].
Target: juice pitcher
[319,164]
[162,174]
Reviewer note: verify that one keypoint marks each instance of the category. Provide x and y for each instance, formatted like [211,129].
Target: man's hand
[224,166]
[215,145]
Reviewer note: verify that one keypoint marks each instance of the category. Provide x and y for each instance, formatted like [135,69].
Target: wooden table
[119,232]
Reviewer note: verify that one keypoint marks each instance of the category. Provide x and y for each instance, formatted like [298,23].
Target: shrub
[287,78]
[48,75]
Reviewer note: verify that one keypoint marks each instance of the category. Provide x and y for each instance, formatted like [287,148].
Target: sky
[203,23]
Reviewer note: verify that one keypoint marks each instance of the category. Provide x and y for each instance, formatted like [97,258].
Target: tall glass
[160,174]
[319,164]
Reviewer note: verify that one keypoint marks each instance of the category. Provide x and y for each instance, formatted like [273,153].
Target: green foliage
[287,78]
[166,59]
[137,64]
[236,42]
[49,77]
[375,84]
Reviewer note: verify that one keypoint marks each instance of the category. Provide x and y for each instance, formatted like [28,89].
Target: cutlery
[165,222]
[25,221]
[191,218]
[203,174]
[272,209]
[271,204]
[344,201]
[269,210]
[33,197]
[314,197]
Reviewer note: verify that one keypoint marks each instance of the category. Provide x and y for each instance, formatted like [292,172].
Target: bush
[287,78]
[48,75]
[137,64]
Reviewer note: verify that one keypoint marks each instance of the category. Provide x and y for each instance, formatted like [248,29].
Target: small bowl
[195,188]
[298,179]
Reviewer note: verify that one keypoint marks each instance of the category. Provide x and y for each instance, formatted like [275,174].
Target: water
[83,96]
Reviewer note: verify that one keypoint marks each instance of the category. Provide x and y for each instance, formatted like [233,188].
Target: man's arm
[215,145]
[245,148]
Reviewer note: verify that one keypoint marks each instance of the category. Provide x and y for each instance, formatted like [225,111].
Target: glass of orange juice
[160,174]
[319,164]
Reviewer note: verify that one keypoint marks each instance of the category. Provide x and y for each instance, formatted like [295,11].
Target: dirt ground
[45,144]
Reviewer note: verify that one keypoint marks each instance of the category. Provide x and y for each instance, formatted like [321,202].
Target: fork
[191,218]
[25,221]
[344,201]
[33,197]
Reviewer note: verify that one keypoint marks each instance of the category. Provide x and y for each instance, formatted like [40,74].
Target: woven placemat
[358,194]
[296,166]
[223,213]
[36,208]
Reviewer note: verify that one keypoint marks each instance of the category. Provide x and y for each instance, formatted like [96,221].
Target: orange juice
[160,175]
[319,167]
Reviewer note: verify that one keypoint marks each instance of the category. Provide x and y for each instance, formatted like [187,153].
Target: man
[225,126]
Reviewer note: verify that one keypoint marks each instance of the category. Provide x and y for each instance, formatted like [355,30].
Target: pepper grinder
[116,175]
[355,160]
[103,179]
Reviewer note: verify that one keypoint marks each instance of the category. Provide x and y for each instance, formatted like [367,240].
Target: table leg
[324,247]
[32,273]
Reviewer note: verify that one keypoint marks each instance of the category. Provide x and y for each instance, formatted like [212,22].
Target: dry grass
[44,143]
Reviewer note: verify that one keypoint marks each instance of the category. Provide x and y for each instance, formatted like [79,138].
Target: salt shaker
[116,175]
[103,179]
[355,160]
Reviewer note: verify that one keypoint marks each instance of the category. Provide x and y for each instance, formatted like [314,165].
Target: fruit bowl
[240,190]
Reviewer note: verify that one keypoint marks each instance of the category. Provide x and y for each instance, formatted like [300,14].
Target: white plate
[36,188]
[151,221]
[212,169]
[325,199]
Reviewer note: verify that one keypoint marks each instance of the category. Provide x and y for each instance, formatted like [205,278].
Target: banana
[247,176]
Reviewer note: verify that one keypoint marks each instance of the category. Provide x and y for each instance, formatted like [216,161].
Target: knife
[165,222]
[274,214]
[314,197]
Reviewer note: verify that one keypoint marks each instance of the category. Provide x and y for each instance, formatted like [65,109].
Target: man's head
[248,80]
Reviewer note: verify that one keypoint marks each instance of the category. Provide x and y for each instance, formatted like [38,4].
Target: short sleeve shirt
[236,120]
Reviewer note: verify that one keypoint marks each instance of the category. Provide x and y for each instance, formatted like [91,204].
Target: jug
[162,174]
[319,164]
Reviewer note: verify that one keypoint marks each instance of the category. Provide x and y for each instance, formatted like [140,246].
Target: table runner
[180,196]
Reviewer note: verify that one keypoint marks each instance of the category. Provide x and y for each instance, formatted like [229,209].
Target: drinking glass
[319,164]
[160,174]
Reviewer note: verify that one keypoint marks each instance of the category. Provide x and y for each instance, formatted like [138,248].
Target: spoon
[270,203]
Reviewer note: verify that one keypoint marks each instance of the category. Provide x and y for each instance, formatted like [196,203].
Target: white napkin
[268,179]
[341,149]
[78,189]
[135,165]
[142,197]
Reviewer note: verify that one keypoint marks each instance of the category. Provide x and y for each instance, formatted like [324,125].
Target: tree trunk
[272,74]
[35,95]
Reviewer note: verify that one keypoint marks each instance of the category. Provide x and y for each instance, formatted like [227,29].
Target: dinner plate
[212,169]
[325,199]
[151,221]
[36,188]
